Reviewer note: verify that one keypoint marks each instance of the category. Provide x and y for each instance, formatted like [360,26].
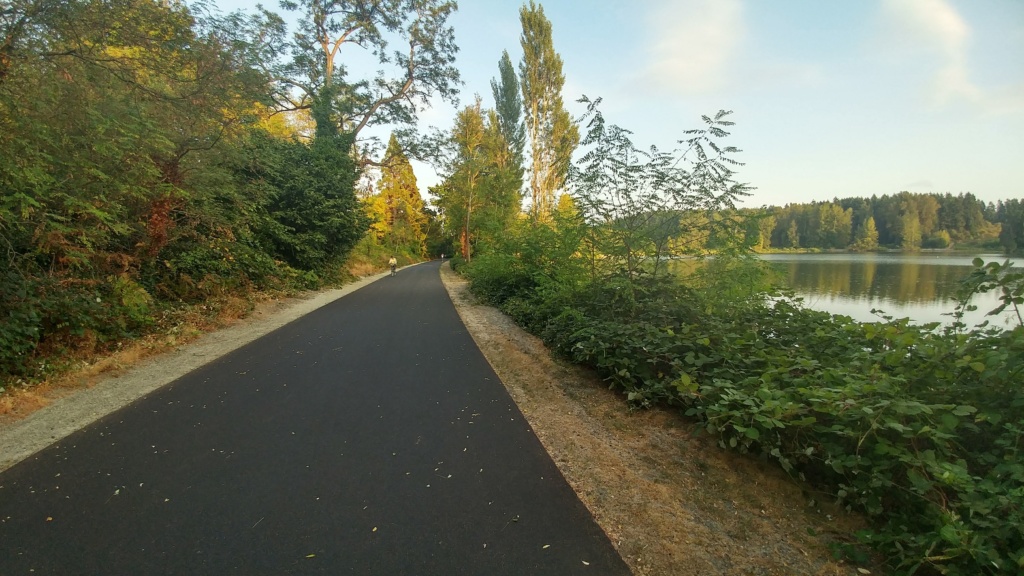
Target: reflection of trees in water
[902,282]
[865,280]
[907,285]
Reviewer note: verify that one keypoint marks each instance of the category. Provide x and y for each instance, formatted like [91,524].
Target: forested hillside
[905,221]
[155,155]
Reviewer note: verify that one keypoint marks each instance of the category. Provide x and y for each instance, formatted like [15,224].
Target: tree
[128,120]
[508,106]
[465,173]
[403,205]
[765,226]
[502,196]
[553,135]
[834,227]
[793,235]
[1011,236]
[423,66]
[313,216]
[866,237]
[481,194]
[911,230]
[638,204]
[928,213]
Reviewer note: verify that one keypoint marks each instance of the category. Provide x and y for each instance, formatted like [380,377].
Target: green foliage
[919,429]
[640,208]
[397,209]
[508,107]
[1011,215]
[313,218]
[866,237]
[421,67]
[916,427]
[138,182]
[907,221]
[553,134]
[480,197]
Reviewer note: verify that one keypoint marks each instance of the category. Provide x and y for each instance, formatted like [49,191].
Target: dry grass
[360,269]
[84,361]
[87,363]
[670,499]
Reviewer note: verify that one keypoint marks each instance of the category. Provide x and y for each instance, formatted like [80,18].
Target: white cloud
[936,26]
[692,43]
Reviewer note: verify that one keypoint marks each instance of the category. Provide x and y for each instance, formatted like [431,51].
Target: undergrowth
[918,427]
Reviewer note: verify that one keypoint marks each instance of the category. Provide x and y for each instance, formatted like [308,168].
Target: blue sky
[830,99]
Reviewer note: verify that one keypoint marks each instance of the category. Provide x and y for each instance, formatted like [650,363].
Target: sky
[830,99]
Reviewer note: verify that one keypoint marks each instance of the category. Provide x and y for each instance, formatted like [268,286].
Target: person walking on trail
[392,263]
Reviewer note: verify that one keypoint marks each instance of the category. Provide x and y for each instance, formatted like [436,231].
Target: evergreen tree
[1011,236]
[403,205]
[508,106]
[553,135]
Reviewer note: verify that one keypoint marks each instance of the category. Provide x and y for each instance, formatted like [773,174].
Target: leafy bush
[20,329]
[918,428]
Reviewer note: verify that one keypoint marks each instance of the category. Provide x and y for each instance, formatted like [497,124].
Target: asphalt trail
[368,437]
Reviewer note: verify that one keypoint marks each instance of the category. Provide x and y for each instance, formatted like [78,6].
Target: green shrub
[916,427]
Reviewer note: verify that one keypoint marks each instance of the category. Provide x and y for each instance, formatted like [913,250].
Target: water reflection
[918,286]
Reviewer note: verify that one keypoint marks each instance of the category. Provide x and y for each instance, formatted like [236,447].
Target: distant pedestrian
[392,263]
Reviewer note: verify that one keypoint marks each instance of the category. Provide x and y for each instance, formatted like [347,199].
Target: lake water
[918,286]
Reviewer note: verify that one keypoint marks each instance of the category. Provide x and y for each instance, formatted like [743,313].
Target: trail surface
[368,437]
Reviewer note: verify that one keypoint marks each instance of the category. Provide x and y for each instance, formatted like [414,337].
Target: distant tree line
[903,221]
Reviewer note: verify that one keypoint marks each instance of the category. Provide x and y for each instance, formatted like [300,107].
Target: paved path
[369,437]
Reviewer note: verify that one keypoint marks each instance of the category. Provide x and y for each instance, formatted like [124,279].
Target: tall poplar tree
[508,107]
[459,196]
[553,135]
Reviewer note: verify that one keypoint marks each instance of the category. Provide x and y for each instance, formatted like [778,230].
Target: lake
[918,286]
